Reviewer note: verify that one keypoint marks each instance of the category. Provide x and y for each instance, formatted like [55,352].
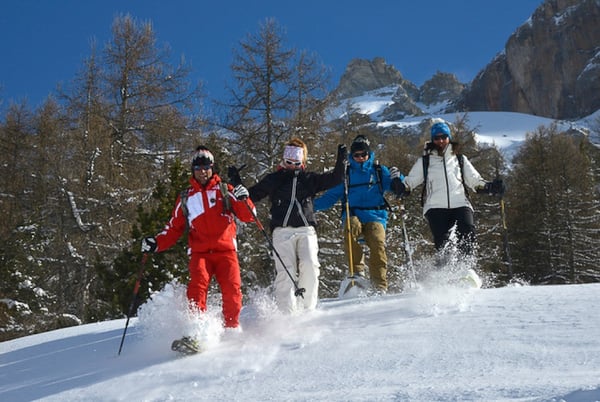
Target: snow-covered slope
[438,344]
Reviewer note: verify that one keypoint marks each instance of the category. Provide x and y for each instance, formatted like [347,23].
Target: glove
[342,154]
[148,245]
[234,176]
[399,188]
[395,173]
[240,192]
[495,187]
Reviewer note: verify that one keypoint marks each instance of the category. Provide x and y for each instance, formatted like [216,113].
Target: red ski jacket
[212,228]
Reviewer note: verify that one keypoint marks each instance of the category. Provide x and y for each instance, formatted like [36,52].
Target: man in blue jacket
[367,182]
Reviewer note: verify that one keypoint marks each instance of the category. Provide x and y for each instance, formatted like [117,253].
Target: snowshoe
[354,286]
[471,279]
[186,346]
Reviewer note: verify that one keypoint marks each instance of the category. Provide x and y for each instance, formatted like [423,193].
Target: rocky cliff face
[440,88]
[550,66]
[362,76]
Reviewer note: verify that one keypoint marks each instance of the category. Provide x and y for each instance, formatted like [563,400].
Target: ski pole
[348,227]
[407,248]
[505,244]
[136,288]
[298,291]
[505,239]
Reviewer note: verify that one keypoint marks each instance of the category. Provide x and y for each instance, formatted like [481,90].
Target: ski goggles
[202,167]
[360,154]
[292,163]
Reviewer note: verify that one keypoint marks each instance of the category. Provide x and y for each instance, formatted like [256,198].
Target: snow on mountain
[506,130]
[440,343]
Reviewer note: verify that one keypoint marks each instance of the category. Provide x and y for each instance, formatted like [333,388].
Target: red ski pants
[224,266]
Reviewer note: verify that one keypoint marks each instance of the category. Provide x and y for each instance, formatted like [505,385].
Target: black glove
[495,187]
[342,152]
[148,244]
[399,188]
[234,176]
[498,187]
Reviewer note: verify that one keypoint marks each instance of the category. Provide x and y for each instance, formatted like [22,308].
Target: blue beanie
[440,128]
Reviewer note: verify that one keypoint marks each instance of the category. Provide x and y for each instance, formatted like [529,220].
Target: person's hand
[495,187]
[234,176]
[399,188]
[342,151]
[240,192]
[148,244]
[395,173]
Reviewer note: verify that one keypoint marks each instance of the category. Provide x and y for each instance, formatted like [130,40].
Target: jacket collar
[432,150]
[366,165]
[212,181]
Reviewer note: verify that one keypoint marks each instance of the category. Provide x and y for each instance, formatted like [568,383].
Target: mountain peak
[363,75]
[549,67]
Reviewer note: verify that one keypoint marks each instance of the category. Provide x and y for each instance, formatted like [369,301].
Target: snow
[442,343]
[505,130]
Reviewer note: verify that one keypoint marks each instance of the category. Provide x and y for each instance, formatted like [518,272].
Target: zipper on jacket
[446,179]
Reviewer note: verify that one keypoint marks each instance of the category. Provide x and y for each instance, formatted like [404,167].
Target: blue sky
[43,43]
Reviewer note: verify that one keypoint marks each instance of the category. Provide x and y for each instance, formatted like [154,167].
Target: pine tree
[161,268]
[278,94]
[127,114]
[555,218]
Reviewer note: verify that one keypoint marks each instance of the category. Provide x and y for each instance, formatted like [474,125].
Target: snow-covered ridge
[505,130]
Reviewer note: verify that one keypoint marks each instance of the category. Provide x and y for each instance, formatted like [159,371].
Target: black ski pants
[441,221]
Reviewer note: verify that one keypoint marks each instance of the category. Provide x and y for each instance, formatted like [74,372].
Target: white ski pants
[298,248]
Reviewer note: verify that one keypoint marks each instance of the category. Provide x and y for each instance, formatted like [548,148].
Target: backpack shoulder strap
[379,173]
[461,163]
[226,198]
[183,197]
[425,160]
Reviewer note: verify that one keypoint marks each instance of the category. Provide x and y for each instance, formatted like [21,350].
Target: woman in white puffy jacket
[445,198]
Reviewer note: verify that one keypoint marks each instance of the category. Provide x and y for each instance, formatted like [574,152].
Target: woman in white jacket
[445,197]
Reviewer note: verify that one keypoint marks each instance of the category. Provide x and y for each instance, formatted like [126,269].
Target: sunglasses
[440,137]
[202,167]
[294,163]
[359,155]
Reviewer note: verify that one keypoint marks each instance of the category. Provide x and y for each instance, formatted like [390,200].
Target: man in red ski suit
[211,228]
